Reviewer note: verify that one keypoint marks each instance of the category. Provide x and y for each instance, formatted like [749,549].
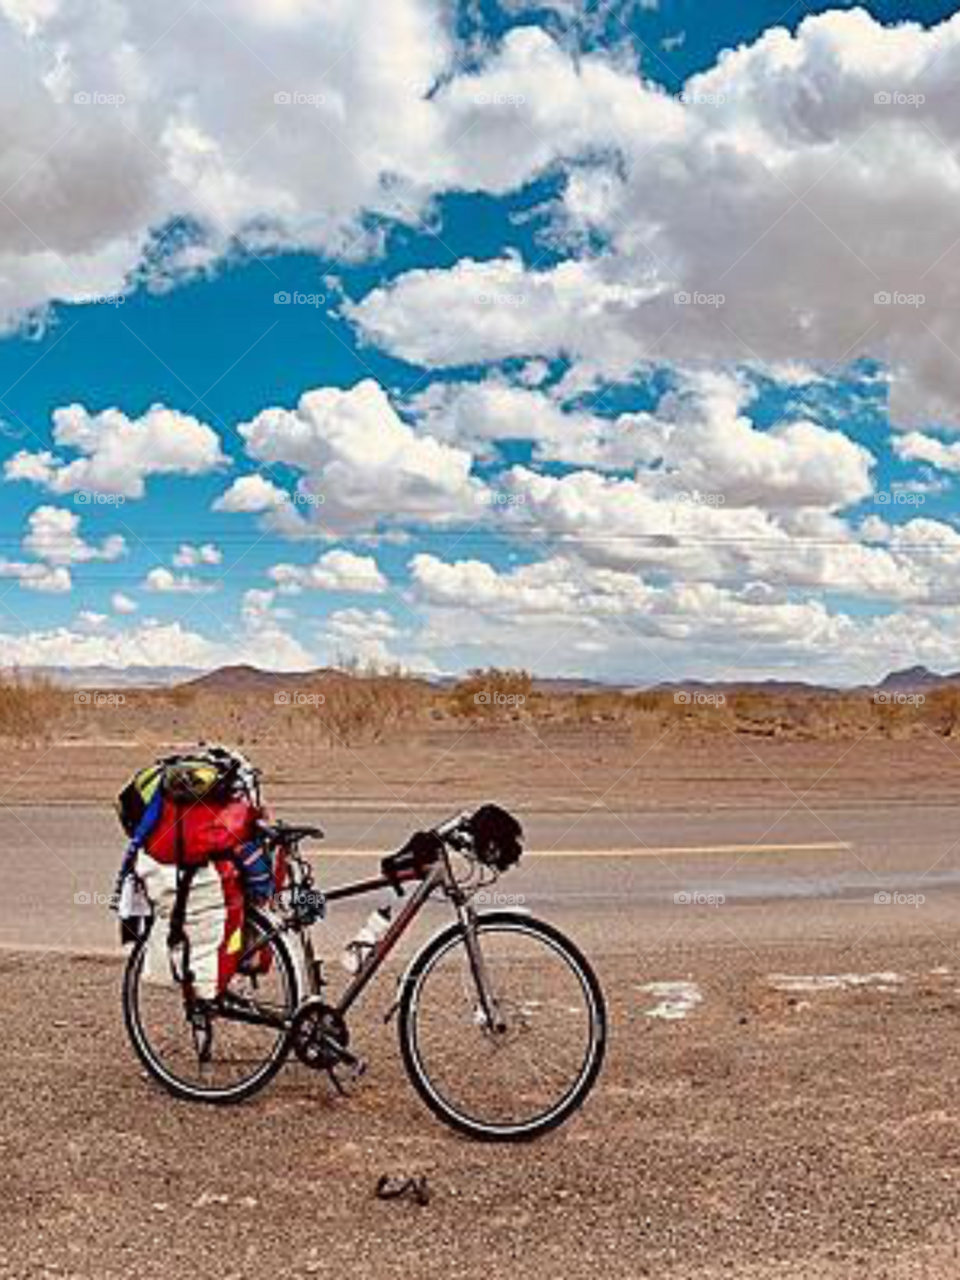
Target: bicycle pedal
[352,1073]
[354,1068]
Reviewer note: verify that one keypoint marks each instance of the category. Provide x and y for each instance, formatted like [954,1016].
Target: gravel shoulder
[811,1133]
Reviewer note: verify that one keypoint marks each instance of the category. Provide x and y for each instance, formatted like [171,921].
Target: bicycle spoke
[514,1077]
[220,1048]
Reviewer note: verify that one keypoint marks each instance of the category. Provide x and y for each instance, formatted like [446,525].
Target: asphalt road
[611,877]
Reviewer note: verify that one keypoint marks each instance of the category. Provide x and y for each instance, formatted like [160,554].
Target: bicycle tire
[417,976]
[175,1085]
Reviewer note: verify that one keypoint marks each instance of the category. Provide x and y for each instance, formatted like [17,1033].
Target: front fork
[489,1005]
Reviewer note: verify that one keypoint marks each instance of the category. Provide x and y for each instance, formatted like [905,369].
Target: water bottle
[355,953]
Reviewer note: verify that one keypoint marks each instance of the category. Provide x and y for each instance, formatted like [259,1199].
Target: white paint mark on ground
[833,981]
[674,999]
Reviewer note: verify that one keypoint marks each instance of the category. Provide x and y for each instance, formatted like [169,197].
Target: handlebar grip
[414,860]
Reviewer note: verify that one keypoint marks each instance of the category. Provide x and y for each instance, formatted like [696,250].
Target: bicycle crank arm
[357,1068]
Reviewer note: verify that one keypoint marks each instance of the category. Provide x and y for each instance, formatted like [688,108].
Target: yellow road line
[641,851]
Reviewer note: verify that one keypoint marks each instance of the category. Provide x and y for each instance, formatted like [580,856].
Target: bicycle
[501,1019]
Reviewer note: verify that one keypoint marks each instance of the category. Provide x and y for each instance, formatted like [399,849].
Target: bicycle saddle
[290,833]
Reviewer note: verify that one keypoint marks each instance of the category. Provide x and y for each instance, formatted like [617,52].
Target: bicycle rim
[521,1080]
[216,1058]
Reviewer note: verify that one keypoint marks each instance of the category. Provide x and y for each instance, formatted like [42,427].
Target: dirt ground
[767,1134]
[522,765]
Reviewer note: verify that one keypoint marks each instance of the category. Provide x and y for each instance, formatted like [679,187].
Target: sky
[612,341]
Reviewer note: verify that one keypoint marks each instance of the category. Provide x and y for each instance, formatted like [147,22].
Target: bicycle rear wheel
[515,1080]
[218,1051]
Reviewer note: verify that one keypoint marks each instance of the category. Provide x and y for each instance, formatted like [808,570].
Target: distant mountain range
[913,678]
[792,688]
[114,677]
[909,680]
[245,679]
[248,679]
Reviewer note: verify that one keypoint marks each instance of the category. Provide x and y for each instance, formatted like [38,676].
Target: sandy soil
[525,766]
[769,1133]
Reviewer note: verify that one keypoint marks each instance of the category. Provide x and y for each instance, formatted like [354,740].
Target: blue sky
[498,433]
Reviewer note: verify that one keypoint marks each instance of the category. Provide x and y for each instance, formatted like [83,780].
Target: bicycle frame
[439,876]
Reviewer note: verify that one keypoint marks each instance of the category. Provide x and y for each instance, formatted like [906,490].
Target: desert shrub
[179,696]
[756,706]
[362,708]
[648,701]
[941,711]
[30,707]
[492,692]
[611,706]
[894,719]
[354,708]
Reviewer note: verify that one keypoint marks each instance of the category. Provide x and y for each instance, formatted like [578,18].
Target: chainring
[320,1036]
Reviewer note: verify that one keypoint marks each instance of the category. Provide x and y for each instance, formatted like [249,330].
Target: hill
[247,679]
[914,678]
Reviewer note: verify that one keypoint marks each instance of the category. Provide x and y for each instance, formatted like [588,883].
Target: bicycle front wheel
[513,1069]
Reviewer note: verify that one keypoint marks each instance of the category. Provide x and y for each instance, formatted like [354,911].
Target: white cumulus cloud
[366,463]
[53,535]
[252,494]
[123,604]
[336,570]
[165,581]
[119,454]
[189,557]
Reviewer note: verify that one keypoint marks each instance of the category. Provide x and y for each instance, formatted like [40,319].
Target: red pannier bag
[194,832]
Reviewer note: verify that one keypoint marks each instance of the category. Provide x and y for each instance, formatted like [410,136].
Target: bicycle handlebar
[452,827]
